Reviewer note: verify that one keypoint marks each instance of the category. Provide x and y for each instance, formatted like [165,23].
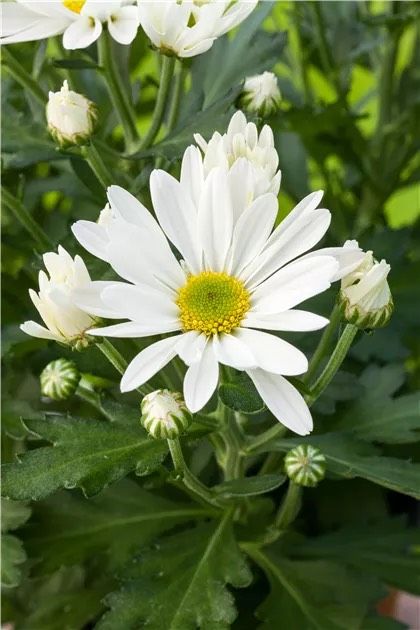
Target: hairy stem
[116,359]
[98,166]
[324,344]
[289,507]
[167,70]
[189,479]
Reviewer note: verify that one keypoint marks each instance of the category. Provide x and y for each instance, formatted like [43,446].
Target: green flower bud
[59,379]
[365,299]
[305,465]
[164,414]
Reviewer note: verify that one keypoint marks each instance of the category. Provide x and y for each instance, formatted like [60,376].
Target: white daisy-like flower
[64,321]
[261,94]
[186,28]
[237,279]
[250,157]
[80,21]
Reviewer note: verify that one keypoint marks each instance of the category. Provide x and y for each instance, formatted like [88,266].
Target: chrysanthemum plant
[184,448]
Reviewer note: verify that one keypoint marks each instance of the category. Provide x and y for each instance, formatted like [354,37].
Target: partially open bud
[164,414]
[305,465]
[71,117]
[261,94]
[59,379]
[365,298]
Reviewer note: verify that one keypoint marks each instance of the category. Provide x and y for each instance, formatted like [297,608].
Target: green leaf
[180,583]
[382,549]
[67,529]
[349,458]
[13,514]
[89,454]
[249,486]
[240,394]
[12,555]
[312,594]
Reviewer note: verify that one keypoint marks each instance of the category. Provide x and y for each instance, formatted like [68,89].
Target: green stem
[324,344]
[334,363]
[301,57]
[92,398]
[26,220]
[324,49]
[289,507]
[176,98]
[116,359]
[117,90]
[22,76]
[233,438]
[188,478]
[276,431]
[167,69]
[98,166]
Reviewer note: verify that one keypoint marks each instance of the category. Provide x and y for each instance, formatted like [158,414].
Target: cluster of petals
[198,218]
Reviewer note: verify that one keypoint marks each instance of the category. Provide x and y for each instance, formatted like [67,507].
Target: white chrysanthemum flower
[64,321]
[237,278]
[261,94]
[186,28]
[80,21]
[365,296]
[250,156]
[71,116]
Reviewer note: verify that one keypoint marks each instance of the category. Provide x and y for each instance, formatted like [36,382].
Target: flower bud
[261,94]
[365,298]
[71,117]
[305,465]
[164,414]
[59,379]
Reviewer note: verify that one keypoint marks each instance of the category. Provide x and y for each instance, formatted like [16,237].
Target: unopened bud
[59,379]
[261,94]
[305,465]
[71,117]
[365,298]
[164,414]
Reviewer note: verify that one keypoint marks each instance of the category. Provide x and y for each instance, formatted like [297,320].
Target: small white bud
[365,297]
[261,94]
[71,117]
[164,414]
[305,465]
[59,379]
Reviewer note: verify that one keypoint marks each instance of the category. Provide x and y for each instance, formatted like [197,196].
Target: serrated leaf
[180,583]
[67,529]
[89,454]
[240,394]
[349,458]
[249,486]
[12,555]
[312,594]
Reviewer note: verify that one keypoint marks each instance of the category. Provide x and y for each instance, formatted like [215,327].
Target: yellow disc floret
[212,302]
[74,5]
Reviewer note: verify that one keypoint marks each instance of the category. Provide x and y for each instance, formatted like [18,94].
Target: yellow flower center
[74,5]
[212,302]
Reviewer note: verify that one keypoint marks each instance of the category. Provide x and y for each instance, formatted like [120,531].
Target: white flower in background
[237,279]
[365,297]
[261,94]
[164,414]
[71,116]
[185,28]
[80,21]
[64,321]
[250,156]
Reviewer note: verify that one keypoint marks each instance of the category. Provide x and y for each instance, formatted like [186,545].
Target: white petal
[348,258]
[252,230]
[215,219]
[272,353]
[123,24]
[293,284]
[305,207]
[92,237]
[134,329]
[192,174]
[19,24]
[82,33]
[125,205]
[231,350]
[140,304]
[148,362]
[241,186]
[201,380]
[177,215]
[292,320]
[35,330]
[191,348]
[283,400]
[89,299]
